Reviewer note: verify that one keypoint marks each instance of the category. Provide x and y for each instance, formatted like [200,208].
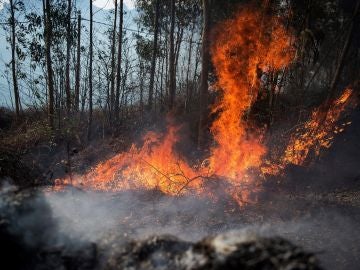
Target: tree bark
[179,38]
[141,86]
[172,79]
[205,55]
[67,70]
[90,72]
[118,73]
[154,54]
[78,58]
[187,80]
[113,66]
[48,36]
[13,60]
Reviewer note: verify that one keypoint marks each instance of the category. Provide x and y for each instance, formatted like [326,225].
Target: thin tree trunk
[118,74]
[141,87]
[48,34]
[123,85]
[187,97]
[67,71]
[161,83]
[90,72]
[179,37]
[78,58]
[13,60]
[85,86]
[195,75]
[156,99]
[172,79]
[205,55]
[154,53]
[112,78]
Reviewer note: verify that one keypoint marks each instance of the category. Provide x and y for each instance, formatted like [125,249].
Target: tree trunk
[172,79]
[13,60]
[187,97]
[112,75]
[90,72]
[48,35]
[118,74]
[154,53]
[77,74]
[179,37]
[205,55]
[141,86]
[161,84]
[67,70]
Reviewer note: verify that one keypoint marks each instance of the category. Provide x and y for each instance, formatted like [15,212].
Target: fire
[246,47]
[154,165]
[315,134]
[242,48]
[239,51]
[318,132]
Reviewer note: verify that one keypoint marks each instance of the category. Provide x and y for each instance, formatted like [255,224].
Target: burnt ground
[326,223]
[85,228]
[317,206]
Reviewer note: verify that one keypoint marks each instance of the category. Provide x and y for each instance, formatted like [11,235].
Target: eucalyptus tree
[119,59]
[90,119]
[12,26]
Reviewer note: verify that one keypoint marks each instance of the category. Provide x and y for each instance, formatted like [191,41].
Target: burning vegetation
[242,55]
[210,116]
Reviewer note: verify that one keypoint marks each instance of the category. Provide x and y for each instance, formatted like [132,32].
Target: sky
[99,5]
[105,4]
[2,2]
[109,4]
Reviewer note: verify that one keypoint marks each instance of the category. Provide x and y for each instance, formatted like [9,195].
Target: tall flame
[243,46]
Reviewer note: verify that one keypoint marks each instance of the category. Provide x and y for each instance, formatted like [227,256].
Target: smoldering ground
[73,218]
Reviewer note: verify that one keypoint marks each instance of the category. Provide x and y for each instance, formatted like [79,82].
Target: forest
[124,122]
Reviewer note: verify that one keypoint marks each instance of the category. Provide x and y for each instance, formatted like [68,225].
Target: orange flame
[241,49]
[315,134]
[318,132]
[154,165]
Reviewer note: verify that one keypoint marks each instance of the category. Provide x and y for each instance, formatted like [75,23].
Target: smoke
[137,214]
[74,218]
